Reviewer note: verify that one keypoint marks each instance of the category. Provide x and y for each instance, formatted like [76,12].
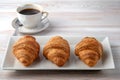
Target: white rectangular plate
[74,63]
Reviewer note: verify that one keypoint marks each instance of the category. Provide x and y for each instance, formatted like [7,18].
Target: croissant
[57,50]
[89,51]
[26,50]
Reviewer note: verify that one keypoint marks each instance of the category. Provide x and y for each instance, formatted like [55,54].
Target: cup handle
[44,14]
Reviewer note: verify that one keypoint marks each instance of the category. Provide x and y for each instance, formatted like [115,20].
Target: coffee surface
[29,11]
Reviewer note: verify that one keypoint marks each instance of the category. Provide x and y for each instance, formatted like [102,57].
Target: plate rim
[9,68]
[30,32]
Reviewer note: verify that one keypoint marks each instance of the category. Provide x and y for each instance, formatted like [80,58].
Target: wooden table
[67,17]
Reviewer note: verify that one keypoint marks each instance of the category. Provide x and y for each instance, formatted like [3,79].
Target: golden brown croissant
[26,50]
[57,50]
[89,51]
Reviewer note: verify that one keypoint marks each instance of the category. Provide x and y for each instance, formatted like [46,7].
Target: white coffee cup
[31,20]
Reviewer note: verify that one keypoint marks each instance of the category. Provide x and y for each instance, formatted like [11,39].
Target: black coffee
[29,11]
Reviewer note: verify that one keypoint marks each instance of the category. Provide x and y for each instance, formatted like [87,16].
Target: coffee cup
[31,15]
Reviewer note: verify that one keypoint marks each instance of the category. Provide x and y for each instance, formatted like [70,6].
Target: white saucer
[22,29]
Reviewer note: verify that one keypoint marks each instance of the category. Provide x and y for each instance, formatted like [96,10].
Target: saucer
[44,24]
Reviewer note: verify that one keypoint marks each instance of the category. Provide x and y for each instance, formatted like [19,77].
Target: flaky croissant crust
[89,50]
[57,50]
[26,50]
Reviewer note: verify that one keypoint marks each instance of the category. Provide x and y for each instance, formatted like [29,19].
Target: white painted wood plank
[68,17]
[79,5]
